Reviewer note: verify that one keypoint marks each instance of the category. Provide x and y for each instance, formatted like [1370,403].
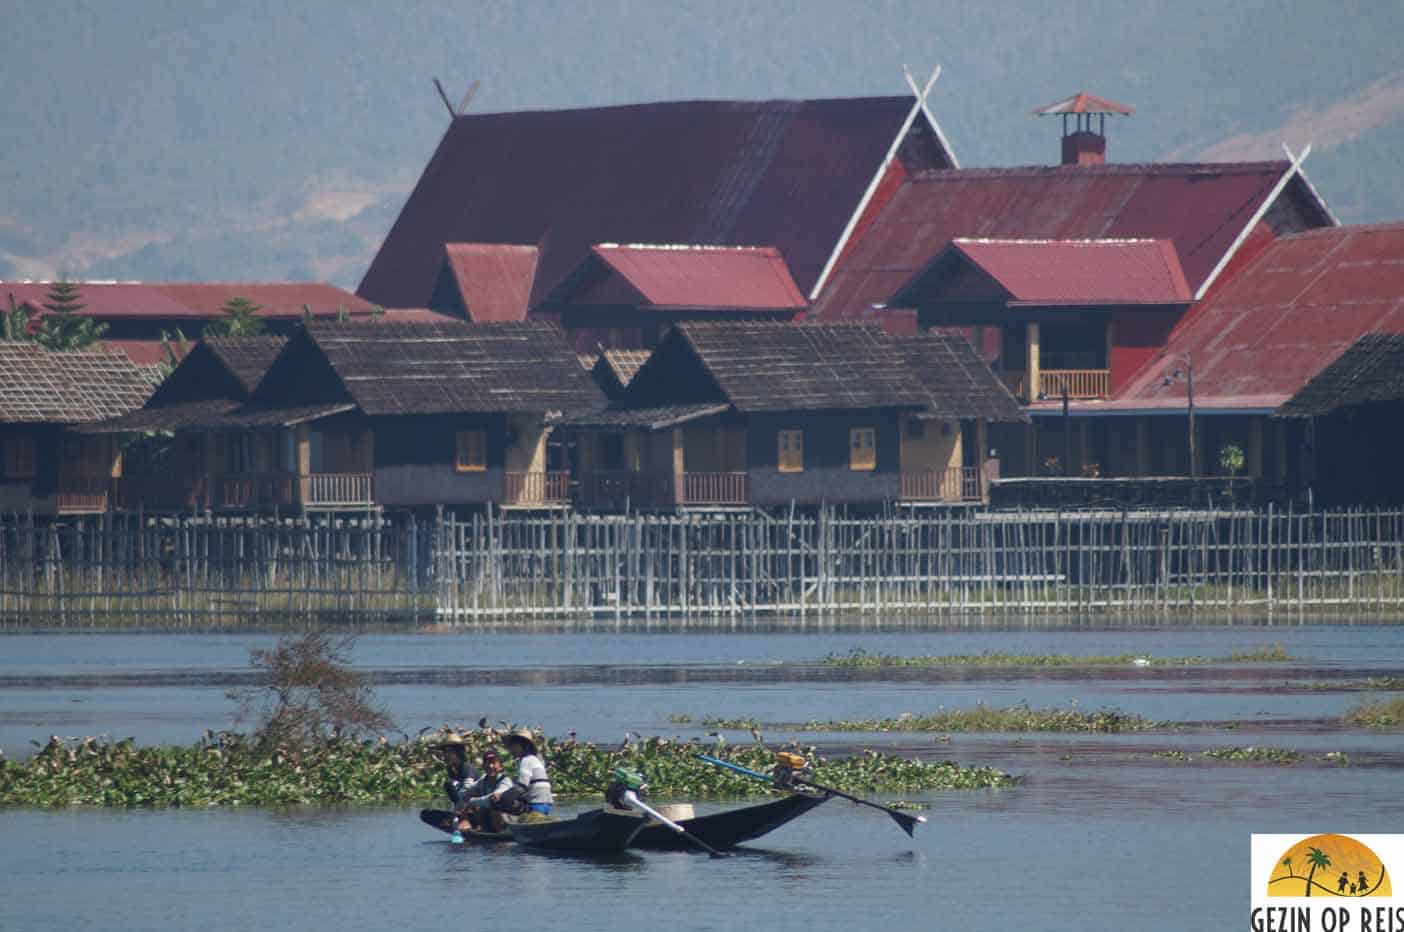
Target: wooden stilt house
[749,414]
[45,467]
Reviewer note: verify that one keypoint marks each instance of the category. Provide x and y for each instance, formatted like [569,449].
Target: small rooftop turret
[1081,144]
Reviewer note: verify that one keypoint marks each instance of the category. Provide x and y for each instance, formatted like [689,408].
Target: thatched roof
[38,386]
[1370,370]
[521,367]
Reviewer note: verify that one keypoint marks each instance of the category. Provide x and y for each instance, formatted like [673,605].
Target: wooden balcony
[536,488]
[714,488]
[337,490]
[1082,384]
[254,491]
[160,493]
[619,489]
[957,484]
[82,495]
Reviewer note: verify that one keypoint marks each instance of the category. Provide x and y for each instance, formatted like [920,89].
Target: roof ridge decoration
[918,106]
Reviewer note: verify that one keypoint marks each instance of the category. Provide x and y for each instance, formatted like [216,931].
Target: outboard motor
[788,767]
[625,780]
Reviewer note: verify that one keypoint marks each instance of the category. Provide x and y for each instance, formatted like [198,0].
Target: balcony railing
[242,491]
[1082,384]
[337,489]
[537,488]
[714,488]
[957,484]
[81,495]
[620,489]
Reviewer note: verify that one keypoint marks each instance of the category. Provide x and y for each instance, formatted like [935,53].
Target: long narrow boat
[447,822]
[732,827]
[598,830]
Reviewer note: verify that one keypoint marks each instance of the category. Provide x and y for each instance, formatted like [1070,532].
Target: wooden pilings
[825,562]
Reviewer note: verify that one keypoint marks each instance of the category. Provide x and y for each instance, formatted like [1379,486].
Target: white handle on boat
[632,799]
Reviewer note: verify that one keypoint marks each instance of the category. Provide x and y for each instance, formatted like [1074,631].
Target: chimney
[1084,126]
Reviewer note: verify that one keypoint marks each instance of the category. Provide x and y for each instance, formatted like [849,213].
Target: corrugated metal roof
[1371,370]
[1200,208]
[494,281]
[788,174]
[193,300]
[734,278]
[1083,102]
[1064,272]
[38,386]
[1282,320]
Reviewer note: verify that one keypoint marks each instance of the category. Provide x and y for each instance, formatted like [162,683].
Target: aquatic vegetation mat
[227,769]
[981,718]
[861,658]
[1386,713]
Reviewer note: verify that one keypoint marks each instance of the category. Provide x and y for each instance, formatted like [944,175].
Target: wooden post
[1032,353]
[679,467]
[1143,460]
[303,436]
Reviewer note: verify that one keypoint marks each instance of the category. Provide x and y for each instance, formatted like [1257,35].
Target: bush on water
[231,769]
[858,657]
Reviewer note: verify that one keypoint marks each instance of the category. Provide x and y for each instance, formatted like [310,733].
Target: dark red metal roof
[193,300]
[494,281]
[1283,319]
[1083,102]
[1073,272]
[678,277]
[1201,208]
[788,174]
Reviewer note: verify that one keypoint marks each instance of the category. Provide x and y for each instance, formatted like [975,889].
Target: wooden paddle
[907,822]
[632,799]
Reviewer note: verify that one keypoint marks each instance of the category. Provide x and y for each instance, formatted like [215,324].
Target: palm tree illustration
[1287,863]
[1317,858]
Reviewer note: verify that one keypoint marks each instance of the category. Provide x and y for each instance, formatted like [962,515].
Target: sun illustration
[1328,865]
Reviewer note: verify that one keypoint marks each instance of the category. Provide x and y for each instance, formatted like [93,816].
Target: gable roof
[784,173]
[1200,208]
[1063,272]
[735,278]
[191,300]
[623,364]
[492,282]
[958,383]
[39,386]
[389,369]
[1283,319]
[1371,370]
[247,358]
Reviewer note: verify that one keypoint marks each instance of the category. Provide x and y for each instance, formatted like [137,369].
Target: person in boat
[485,800]
[532,785]
[454,751]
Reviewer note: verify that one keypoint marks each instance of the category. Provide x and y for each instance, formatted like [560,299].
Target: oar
[907,822]
[633,800]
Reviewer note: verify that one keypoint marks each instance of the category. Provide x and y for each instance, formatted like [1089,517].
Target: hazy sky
[216,137]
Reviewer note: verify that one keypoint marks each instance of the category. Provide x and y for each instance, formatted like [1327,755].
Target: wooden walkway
[828,563]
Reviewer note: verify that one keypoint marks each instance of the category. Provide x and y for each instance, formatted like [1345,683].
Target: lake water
[1100,835]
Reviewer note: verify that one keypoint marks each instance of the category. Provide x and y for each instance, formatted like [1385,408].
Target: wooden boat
[598,830]
[730,828]
[447,822]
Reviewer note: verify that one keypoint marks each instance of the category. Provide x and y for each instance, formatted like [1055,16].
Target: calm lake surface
[1100,835]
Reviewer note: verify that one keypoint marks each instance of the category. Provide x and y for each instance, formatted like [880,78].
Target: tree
[17,322]
[64,327]
[1317,858]
[240,320]
[309,694]
[1231,459]
[173,350]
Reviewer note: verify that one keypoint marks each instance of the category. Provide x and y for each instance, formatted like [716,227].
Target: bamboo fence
[498,564]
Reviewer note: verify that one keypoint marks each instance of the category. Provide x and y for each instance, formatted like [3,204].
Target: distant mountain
[196,139]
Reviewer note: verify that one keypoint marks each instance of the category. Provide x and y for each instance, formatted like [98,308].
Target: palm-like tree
[1317,858]
[1287,863]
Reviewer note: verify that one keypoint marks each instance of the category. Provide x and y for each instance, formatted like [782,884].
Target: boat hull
[730,828]
[598,830]
[447,822]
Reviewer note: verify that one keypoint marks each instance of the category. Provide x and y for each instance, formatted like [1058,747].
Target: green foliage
[1385,713]
[861,658]
[1231,458]
[16,322]
[1255,755]
[64,327]
[310,694]
[173,350]
[233,769]
[240,320]
[982,718]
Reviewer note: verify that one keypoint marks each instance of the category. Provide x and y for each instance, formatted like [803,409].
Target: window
[471,451]
[791,453]
[20,457]
[862,449]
